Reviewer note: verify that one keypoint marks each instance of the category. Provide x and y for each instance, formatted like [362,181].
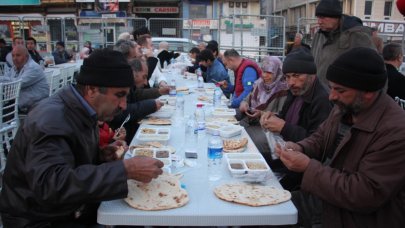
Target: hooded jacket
[327,46]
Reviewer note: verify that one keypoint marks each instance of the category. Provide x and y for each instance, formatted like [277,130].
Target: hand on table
[243,107]
[223,84]
[271,122]
[254,113]
[142,168]
[120,134]
[294,160]
[164,90]
[159,104]
[113,151]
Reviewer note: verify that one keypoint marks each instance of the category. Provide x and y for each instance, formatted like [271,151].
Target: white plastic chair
[55,81]
[3,68]
[9,121]
[401,102]
[70,72]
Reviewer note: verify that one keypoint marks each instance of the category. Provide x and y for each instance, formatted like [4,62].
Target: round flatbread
[235,144]
[252,195]
[238,150]
[161,193]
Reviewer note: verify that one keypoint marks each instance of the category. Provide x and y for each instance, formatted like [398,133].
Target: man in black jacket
[55,175]
[393,56]
[306,107]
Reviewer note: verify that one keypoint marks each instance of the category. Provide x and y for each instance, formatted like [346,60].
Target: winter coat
[314,111]
[53,171]
[327,46]
[364,185]
[396,82]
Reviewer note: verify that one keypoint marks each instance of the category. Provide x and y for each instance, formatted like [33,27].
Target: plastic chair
[55,81]
[401,102]
[3,68]
[70,72]
[9,121]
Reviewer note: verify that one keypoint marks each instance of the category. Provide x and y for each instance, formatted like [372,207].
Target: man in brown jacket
[352,165]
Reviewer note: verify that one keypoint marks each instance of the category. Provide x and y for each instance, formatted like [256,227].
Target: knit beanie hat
[329,8]
[359,68]
[106,68]
[299,61]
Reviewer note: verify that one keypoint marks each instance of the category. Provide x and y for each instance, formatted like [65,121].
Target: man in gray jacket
[337,34]
[34,86]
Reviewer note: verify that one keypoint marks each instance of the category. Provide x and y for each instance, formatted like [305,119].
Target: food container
[147,134]
[223,112]
[162,154]
[250,167]
[211,127]
[228,131]
[164,112]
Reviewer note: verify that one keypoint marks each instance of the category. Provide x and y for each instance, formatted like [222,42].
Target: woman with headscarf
[269,94]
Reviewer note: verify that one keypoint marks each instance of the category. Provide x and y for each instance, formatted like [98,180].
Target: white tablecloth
[204,208]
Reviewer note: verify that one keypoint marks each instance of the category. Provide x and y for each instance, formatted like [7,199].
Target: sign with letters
[156,10]
[391,28]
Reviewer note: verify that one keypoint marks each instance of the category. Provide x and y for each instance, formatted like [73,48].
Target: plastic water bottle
[215,147]
[180,105]
[200,118]
[191,135]
[217,96]
[200,79]
[172,91]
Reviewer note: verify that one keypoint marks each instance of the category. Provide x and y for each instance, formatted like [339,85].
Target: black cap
[299,61]
[359,68]
[106,68]
[329,8]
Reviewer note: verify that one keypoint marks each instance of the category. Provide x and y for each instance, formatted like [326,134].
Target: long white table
[204,208]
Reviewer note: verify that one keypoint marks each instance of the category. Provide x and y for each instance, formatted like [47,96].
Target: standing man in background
[337,34]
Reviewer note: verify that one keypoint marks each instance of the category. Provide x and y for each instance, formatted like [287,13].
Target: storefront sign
[392,28]
[198,24]
[19,2]
[156,10]
[102,1]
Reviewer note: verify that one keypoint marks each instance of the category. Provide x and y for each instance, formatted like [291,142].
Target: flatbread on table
[157,121]
[252,195]
[161,193]
[235,145]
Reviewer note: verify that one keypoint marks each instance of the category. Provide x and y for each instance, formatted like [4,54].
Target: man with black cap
[353,162]
[337,33]
[60,54]
[306,107]
[55,175]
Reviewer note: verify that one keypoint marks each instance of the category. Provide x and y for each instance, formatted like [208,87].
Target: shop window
[198,11]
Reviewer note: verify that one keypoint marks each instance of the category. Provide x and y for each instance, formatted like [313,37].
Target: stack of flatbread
[182,90]
[161,193]
[252,195]
[235,145]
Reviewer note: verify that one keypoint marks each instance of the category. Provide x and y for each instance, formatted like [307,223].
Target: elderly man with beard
[306,107]
[352,165]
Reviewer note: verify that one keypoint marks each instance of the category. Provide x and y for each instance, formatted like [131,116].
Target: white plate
[156,134]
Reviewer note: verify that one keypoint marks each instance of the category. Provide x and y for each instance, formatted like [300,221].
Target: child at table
[108,136]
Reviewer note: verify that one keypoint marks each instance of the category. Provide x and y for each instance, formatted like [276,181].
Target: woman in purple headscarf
[269,93]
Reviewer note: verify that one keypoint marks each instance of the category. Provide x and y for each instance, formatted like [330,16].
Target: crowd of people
[331,101]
